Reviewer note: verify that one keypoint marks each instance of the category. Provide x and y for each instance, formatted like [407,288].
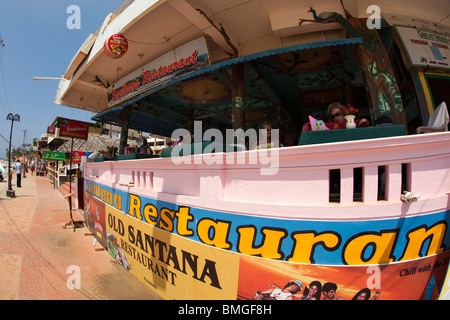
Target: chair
[438,121]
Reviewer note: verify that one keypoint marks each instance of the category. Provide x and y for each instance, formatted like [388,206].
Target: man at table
[337,118]
[265,140]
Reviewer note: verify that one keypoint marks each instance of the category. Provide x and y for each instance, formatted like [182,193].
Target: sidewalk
[36,251]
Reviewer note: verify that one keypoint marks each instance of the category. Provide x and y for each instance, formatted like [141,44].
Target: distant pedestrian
[18,173]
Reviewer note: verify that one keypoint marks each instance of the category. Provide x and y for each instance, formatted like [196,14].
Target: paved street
[38,256]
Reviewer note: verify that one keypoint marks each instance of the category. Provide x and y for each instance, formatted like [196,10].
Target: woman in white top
[287,293]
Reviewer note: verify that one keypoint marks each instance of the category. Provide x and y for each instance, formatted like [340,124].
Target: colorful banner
[182,60]
[74,129]
[171,247]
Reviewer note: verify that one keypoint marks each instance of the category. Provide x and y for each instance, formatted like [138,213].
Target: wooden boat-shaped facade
[368,213]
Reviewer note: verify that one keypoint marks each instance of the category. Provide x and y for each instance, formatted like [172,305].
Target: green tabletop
[197,148]
[326,136]
[130,156]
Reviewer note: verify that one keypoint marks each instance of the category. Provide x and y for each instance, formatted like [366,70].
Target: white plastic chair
[438,121]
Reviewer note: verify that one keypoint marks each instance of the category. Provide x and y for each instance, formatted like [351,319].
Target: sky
[38,43]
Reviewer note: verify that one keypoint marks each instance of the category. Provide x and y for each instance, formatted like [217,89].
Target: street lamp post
[10,192]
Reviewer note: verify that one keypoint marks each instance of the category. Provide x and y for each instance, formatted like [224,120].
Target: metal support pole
[238,92]
[124,132]
[70,182]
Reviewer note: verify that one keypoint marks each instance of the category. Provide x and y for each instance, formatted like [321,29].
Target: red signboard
[51,130]
[76,156]
[74,129]
[116,46]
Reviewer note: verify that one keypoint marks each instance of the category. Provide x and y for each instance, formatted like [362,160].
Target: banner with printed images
[421,279]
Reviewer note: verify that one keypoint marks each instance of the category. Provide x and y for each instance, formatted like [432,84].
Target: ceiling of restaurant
[168,24]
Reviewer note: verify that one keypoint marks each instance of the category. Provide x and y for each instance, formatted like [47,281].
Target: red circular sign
[116,46]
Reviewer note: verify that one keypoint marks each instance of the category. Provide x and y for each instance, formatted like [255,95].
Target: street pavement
[41,260]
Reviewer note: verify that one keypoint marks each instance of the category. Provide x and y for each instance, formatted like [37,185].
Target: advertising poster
[76,156]
[184,252]
[95,218]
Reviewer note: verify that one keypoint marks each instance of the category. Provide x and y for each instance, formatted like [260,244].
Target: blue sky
[39,44]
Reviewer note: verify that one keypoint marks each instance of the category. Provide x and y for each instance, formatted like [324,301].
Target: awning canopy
[289,76]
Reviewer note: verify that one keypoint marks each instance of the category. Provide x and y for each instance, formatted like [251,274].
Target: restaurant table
[326,136]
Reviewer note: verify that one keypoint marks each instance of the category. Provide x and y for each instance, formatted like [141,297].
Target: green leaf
[372,68]
[397,97]
[383,104]
[388,77]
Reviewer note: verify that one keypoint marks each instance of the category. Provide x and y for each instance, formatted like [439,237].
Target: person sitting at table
[264,141]
[337,117]
[383,121]
[145,148]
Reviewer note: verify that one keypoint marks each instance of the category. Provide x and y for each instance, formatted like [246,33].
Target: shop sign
[74,129]
[52,155]
[425,49]
[182,60]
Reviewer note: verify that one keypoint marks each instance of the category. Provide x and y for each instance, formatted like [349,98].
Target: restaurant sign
[425,49]
[190,57]
[74,129]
